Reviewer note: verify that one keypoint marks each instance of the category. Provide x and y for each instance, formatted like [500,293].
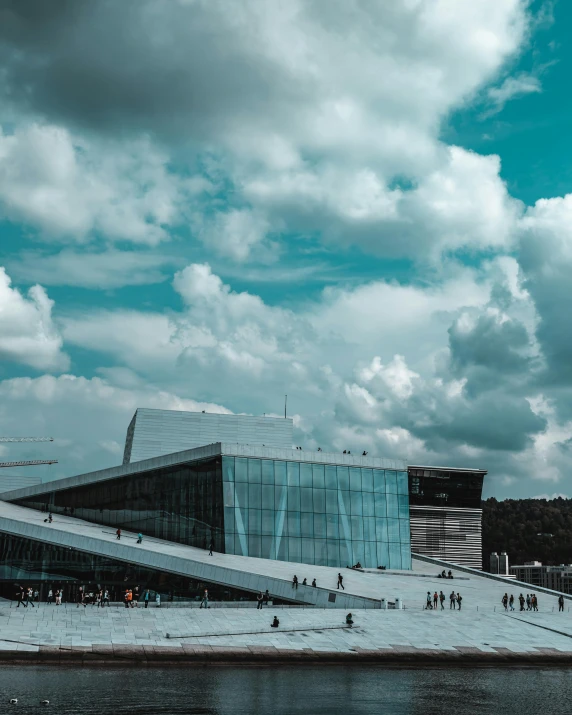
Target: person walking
[560,603]
[205,601]
[58,597]
[139,538]
[50,596]
[50,518]
[521,601]
[126,598]
[435,599]
[31,597]
[428,606]
[105,598]
[511,602]
[459,600]
[504,601]
[528,601]
[295,582]
[534,602]
[452,603]
[146,597]
[341,581]
[442,599]
[118,533]
[20,598]
[259,599]
[266,597]
[211,547]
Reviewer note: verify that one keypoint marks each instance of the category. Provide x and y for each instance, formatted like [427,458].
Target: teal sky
[365,206]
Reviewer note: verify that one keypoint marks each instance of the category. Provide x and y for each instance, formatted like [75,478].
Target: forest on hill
[528,530]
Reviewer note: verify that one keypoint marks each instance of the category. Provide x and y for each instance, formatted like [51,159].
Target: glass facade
[322,514]
[24,562]
[447,488]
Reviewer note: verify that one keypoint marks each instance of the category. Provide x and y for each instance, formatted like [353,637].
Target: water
[351,690]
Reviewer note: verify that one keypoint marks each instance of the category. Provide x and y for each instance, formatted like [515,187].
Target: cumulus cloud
[70,187]
[27,332]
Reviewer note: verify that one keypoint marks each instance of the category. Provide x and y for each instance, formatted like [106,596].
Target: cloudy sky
[366,205]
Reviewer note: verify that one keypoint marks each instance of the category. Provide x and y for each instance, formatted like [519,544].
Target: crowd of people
[433,601]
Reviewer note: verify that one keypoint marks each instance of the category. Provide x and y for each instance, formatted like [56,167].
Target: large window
[320,514]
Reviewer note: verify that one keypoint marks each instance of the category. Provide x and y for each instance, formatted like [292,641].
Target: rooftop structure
[152,433]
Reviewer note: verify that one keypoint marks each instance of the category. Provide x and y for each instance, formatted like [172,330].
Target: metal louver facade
[446,533]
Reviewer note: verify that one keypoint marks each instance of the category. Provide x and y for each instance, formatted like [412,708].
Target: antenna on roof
[285,404]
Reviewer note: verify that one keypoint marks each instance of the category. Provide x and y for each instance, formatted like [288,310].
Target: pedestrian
[314,583]
[504,601]
[428,605]
[50,518]
[534,602]
[341,581]
[50,596]
[205,601]
[36,596]
[442,599]
[435,599]
[560,603]
[31,597]
[158,599]
[452,601]
[266,597]
[449,574]
[259,599]
[106,598]
[211,547]
[528,601]
[146,597]
[139,538]
[295,582]
[521,601]
[58,597]
[98,599]
[118,532]
[130,598]
[80,599]
[459,600]
[20,598]
[511,602]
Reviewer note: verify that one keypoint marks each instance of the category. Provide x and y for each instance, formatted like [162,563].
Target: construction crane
[27,462]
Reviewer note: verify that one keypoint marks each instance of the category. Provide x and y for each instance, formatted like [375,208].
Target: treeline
[529,530]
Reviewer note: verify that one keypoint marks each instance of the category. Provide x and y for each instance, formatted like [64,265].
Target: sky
[365,205]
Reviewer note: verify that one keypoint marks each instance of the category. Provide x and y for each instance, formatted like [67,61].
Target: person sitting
[304,582]
[358,565]
[349,620]
[275,623]
[314,583]
[449,575]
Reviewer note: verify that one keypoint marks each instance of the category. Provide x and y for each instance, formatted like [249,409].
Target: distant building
[499,564]
[558,578]
[153,433]
[494,563]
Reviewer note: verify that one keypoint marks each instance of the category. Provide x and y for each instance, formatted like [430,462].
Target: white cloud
[27,332]
[104,269]
[512,87]
[69,187]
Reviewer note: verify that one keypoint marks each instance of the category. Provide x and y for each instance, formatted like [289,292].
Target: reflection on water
[287,690]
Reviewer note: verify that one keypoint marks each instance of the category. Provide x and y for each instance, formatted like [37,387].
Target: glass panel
[355,479]
[369,529]
[240,469]
[378,480]
[383,554]
[343,478]
[294,549]
[280,473]
[267,496]
[228,469]
[293,523]
[305,499]
[331,477]
[254,470]
[357,528]
[367,480]
[368,504]
[403,505]
[370,555]
[305,474]
[320,526]
[402,483]
[392,506]
[228,493]
[320,552]
[308,551]
[254,521]
[267,547]
[254,496]
[333,548]
[394,557]
[405,534]
[359,552]
[307,525]
[280,498]
[241,494]
[390,482]
[393,530]
[293,469]
[356,503]
[294,499]
[267,521]
[254,546]
[380,503]
[267,471]
[381,530]
[318,479]
[319,499]
[331,501]
[332,526]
